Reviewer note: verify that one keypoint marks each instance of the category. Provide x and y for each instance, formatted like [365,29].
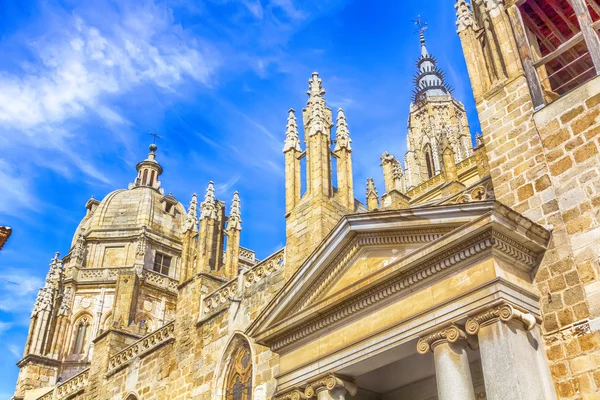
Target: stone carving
[191,220]
[329,382]
[292,140]
[235,220]
[208,206]
[142,244]
[294,394]
[69,387]
[78,254]
[450,334]
[504,312]
[223,295]
[342,134]
[148,342]
[464,15]
[160,281]
[45,296]
[67,299]
[481,192]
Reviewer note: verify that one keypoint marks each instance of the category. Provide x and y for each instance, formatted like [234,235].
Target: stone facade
[476,277]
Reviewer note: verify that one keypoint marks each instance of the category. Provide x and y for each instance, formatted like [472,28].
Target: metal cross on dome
[421,26]
[155,137]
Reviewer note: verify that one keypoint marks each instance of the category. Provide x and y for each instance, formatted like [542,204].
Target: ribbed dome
[133,208]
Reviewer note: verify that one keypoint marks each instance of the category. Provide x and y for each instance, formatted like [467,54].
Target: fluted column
[452,372]
[512,355]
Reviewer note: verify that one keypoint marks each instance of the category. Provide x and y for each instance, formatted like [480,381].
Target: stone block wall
[544,164]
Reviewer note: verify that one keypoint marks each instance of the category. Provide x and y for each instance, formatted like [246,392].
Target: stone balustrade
[223,296]
[160,281]
[423,187]
[69,387]
[142,346]
[466,164]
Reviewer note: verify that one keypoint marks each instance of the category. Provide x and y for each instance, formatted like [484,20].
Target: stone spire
[191,220]
[429,79]
[208,207]
[235,221]
[464,15]
[372,195]
[342,134]
[292,140]
[46,294]
[317,118]
[234,227]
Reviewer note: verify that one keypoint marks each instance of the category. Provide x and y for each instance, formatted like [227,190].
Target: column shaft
[514,366]
[452,372]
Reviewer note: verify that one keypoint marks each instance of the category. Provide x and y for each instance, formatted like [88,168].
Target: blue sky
[82,84]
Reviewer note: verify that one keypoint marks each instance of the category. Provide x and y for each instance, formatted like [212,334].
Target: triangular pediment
[366,252]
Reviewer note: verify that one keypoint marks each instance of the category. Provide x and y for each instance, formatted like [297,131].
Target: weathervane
[421,26]
[155,137]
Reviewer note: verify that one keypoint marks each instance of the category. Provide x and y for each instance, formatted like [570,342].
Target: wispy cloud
[18,290]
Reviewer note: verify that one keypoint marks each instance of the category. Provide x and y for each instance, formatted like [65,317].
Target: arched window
[144,177]
[239,379]
[151,179]
[429,160]
[81,335]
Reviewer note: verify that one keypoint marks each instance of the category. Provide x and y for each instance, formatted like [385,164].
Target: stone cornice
[34,358]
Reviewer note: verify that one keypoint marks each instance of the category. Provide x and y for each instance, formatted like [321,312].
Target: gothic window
[239,379]
[429,161]
[81,333]
[162,263]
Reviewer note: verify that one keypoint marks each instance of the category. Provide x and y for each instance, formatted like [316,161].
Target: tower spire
[429,79]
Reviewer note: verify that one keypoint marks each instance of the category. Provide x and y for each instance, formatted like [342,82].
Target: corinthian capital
[504,313]
[450,334]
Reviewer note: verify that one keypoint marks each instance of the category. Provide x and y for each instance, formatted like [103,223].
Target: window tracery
[239,379]
[82,328]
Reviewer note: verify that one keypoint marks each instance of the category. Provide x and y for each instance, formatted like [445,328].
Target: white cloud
[15,351]
[16,193]
[79,68]
[18,289]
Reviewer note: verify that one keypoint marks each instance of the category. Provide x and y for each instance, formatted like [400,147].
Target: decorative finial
[342,134]
[421,28]
[208,205]
[371,188]
[191,221]
[292,140]
[235,220]
[464,15]
[315,85]
[153,147]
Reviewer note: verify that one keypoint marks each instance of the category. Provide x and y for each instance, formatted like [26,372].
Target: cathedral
[474,275]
